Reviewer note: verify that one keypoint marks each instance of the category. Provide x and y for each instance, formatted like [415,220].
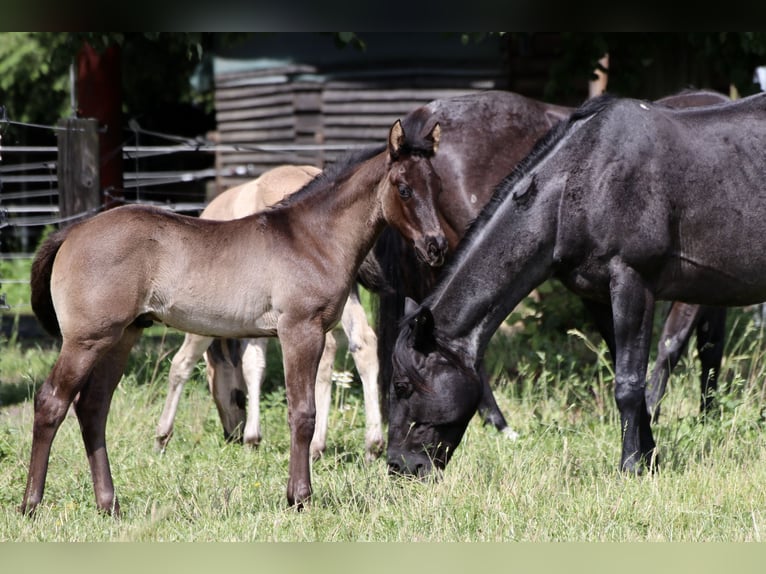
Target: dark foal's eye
[402,388]
[405,192]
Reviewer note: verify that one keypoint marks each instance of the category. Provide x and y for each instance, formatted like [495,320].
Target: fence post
[78,168]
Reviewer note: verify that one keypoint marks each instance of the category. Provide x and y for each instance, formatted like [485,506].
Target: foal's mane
[333,174]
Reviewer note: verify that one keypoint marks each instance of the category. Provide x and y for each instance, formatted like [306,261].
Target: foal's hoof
[374,450]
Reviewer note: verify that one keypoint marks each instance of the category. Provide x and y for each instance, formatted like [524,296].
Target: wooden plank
[78,167]
[252,112]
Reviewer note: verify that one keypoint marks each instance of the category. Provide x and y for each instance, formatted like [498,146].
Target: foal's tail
[40,282]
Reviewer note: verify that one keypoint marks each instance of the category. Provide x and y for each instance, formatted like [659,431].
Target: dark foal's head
[412,187]
[435,394]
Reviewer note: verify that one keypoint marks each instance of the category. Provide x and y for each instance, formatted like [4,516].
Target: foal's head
[436,391]
[410,191]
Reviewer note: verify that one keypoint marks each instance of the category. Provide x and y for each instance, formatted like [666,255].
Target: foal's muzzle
[435,250]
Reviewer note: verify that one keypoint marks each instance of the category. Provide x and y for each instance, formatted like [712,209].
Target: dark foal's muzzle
[435,250]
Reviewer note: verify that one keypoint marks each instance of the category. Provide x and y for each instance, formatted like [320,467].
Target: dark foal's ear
[422,325]
[395,139]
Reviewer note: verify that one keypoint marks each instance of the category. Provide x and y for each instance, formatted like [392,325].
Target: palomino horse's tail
[40,282]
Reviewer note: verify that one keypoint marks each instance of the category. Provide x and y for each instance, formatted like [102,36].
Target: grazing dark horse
[283,272]
[627,202]
[476,126]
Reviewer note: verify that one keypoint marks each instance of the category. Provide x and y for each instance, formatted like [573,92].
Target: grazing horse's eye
[402,388]
[405,192]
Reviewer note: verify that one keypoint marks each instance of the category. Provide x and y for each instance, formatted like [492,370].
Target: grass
[558,482]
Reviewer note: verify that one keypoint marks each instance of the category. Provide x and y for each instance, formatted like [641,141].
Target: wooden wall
[263,113]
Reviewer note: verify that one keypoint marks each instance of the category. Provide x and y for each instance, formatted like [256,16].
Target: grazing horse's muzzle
[434,251]
[411,464]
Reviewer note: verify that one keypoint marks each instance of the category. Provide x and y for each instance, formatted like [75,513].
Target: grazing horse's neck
[499,264]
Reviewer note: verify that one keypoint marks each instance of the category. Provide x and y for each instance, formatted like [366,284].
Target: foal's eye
[402,388]
[405,192]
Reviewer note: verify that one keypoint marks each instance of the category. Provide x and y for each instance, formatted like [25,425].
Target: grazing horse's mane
[334,173]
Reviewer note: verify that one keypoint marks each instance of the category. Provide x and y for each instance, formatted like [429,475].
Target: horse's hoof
[374,450]
[161,442]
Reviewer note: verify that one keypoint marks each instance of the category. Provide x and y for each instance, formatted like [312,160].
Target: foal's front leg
[633,310]
[302,346]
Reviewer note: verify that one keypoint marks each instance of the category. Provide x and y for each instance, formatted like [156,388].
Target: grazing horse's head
[435,394]
[410,191]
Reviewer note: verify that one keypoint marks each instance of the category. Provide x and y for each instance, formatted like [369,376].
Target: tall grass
[558,482]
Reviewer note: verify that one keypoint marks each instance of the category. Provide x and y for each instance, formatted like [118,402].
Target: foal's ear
[435,136]
[422,325]
[395,139]
[410,306]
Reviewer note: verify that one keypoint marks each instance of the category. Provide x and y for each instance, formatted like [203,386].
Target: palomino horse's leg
[52,400]
[254,371]
[323,396]
[226,382]
[92,408]
[679,324]
[363,344]
[181,368]
[302,347]
[633,312]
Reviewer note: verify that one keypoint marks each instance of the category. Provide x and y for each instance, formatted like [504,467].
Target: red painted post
[99,96]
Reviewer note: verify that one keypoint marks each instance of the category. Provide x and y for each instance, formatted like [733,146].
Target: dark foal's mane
[335,173]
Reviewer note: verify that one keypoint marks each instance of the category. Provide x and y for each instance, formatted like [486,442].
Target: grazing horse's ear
[422,325]
[434,136]
[395,139]
[410,306]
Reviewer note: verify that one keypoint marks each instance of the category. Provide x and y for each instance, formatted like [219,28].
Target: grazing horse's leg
[489,410]
[323,396]
[92,407]
[302,347]
[711,336]
[227,385]
[68,376]
[363,345]
[254,371]
[184,362]
[681,320]
[633,311]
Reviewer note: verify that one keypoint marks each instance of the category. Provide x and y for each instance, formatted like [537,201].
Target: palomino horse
[283,272]
[627,202]
[240,374]
[476,126]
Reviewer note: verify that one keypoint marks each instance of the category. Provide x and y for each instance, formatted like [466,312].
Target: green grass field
[558,482]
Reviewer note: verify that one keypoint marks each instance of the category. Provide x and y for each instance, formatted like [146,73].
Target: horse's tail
[40,282]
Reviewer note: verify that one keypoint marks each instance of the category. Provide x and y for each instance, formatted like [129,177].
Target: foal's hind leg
[181,369]
[92,408]
[52,400]
[363,344]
